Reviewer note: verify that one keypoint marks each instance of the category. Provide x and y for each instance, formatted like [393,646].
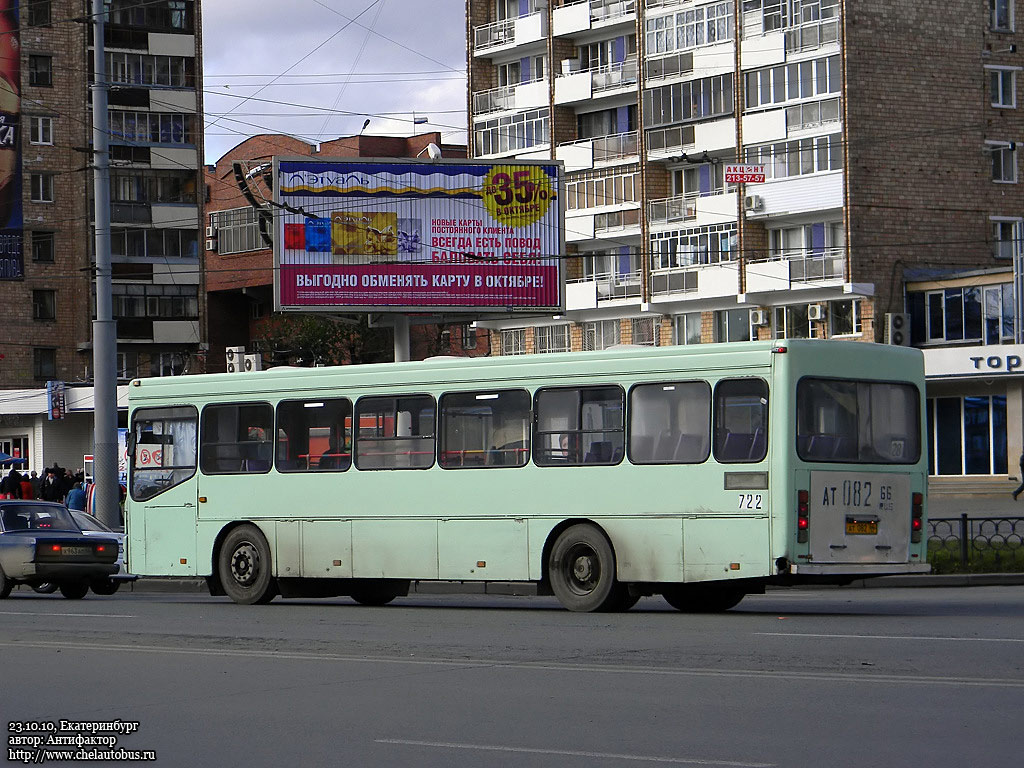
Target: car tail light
[916,517]
[803,516]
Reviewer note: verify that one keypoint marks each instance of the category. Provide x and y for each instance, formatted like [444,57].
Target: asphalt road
[882,677]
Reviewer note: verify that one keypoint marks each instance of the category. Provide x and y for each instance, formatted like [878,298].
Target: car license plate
[75,551]
[861,527]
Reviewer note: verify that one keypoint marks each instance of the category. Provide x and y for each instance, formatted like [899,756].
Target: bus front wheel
[703,598]
[245,568]
[582,571]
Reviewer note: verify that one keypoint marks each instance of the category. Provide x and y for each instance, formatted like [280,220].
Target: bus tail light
[803,521]
[916,517]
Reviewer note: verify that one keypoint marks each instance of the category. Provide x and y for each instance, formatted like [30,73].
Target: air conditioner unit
[753,203]
[211,231]
[253,363]
[815,311]
[759,317]
[233,357]
[897,328]
[569,66]
[211,245]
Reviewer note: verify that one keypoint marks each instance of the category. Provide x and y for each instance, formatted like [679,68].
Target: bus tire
[375,595]
[582,571]
[74,590]
[245,567]
[703,598]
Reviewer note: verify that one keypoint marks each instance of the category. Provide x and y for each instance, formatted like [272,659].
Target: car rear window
[36,517]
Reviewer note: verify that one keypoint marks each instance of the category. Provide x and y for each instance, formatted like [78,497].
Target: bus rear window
[858,422]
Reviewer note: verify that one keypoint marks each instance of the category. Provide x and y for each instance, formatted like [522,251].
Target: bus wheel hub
[583,569]
[244,564]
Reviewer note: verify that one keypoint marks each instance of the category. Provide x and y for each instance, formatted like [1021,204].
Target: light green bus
[698,473]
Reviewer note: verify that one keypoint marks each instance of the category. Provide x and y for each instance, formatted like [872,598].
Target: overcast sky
[396,59]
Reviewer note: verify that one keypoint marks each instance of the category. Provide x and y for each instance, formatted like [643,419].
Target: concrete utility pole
[104,330]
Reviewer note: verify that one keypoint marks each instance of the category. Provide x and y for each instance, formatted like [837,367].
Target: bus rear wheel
[582,571]
[703,598]
[375,595]
[245,567]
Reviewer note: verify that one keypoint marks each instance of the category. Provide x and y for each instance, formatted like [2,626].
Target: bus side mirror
[130,444]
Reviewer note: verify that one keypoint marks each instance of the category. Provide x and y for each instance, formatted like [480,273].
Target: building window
[512,132]
[158,14]
[700,180]
[44,363]
[155,301]
[593,189]
[39,13]
[706,25]
[43,247]
[967,435]
[127,365]
[1001,15]
[152,127]
[467,333]
[794,322]
[1003,82]
[645,331]
[237,230]
[147,70]
[153,187]
[1004,162]
[600,334]
[799,157]
[688,328]
[1006,238]
[979,314]
[44,305]
[732,325]
[513,341]
[844,318]
[692,100]
[154,243]
[552,338]
[168,364]
[40,71]
[40,130]
[42,187]
[791,82]
[699,245]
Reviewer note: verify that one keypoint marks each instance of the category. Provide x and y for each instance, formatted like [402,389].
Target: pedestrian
[1020,488]
[13,488]
[51,489]
[37,483]
[26,488]
[76,497]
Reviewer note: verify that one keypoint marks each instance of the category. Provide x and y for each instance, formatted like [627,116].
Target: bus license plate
[861,527]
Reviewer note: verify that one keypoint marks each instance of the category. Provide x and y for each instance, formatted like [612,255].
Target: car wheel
[46,588]
[107,587]
[6,585]
[245,567]
[582,571]
[75,590]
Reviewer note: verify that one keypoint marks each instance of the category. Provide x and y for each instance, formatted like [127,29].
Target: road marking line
[89,615]
[574,753]
[897,637]
[546,666]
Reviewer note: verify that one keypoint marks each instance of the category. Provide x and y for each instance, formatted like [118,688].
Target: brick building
[889,134]
[239,265]
[154,63]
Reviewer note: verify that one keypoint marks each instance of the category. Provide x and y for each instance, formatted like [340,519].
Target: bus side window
[484,429]
[669,422]
[236,438]
[314,435]
[741,420]
[395,432]
[575,426]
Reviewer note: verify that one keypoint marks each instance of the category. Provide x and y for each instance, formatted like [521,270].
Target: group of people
[56,484]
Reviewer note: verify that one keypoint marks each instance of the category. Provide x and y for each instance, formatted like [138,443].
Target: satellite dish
[433,151]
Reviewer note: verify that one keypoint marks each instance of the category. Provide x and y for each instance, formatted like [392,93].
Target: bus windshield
[858,422]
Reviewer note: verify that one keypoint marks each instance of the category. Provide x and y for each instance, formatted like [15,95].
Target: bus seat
[665,448]
[736,446]
[640,448]
[600,453]
[758,444]
[690,449]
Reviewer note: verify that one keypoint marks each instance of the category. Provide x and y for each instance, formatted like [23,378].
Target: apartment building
[888,133]
[154,63]
[239,262]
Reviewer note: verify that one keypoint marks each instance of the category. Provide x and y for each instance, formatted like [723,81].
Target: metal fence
[979,544]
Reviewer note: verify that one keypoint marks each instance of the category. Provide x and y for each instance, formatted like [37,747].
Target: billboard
[417,236]
[12,263]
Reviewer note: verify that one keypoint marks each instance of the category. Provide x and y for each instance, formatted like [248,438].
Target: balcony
[508,33]
[584,85]
[669,141]
[616,221]
[696,209]
[532,94]
[784,271]
[673,65]
[670,210]
[586,153]
[674,281]
[582,15]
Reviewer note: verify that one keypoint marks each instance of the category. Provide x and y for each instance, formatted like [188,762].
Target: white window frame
[1017,225]
[679,327]
[40,130]
[552,338]
[601,334]
[42,187]
[513,341]
[858,326]
[638,323]
[1007,151]
[996,94]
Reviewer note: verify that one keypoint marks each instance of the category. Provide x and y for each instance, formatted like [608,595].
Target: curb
[169,585]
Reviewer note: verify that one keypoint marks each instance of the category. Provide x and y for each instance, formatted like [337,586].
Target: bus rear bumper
[858,570]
